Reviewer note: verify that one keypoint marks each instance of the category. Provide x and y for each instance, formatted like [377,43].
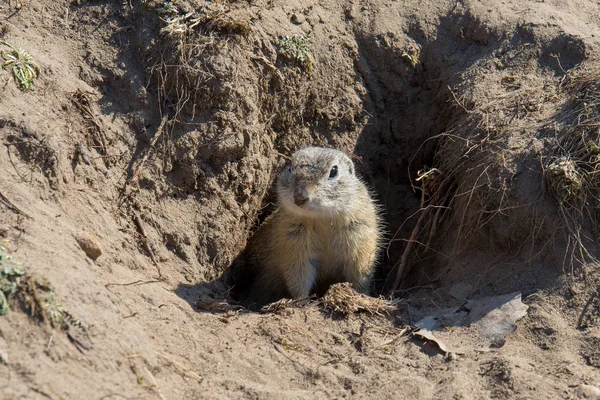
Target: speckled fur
[334,237]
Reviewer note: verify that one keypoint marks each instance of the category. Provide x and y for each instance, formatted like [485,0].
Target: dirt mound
[154,131]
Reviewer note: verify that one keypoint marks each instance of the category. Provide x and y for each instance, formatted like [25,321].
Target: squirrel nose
[300,200]
[301,194]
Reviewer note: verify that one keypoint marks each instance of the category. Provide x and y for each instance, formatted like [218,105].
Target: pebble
[460,290]
[588,392]
[314,19]
[306,28]
[3,357]
[90,245]
[298,18]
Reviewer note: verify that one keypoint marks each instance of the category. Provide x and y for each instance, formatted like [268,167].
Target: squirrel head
[318,182]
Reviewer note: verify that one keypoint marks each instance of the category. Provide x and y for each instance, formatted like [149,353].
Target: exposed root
[140,224]
[157,135]
[81,101]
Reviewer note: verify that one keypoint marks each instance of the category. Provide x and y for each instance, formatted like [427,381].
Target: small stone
[3,353]
[314,19]
[298,18]
[588,392]
[460,290]
[306,28]
[90,245]
[352,13]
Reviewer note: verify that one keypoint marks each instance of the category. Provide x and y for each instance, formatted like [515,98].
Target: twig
[155,386]
[138,282]
[187,370]
[458,101]
[409,245]
[269,65]
[157,135]
[49,342]
[79,345]
[140,225]
[566,74]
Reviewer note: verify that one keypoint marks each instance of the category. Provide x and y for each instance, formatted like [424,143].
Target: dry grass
[572,171]
[282,305]
[222,22]
[95,130]
[191,42]
[565,180]
[342,298]
[473,185]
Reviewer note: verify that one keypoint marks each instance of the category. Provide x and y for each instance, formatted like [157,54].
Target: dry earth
[142,158]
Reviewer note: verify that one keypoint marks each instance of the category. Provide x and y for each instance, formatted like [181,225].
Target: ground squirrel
[326,229]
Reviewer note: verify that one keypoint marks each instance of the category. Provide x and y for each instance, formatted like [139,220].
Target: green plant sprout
[297,47]
[10,275]
[24,69]
[36,295]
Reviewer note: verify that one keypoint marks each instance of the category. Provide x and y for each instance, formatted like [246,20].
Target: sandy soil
[177,116]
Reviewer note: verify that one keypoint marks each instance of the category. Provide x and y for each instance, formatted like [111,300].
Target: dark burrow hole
[399,203]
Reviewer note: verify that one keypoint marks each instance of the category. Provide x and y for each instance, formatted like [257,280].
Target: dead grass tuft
[282,305]
[473,183]
[340,298]
[192,41]
[343,298]
[572,170]
[565,180]
[492,138]
[222,22]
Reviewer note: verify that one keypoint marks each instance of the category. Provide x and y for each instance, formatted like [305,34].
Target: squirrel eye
[334,172]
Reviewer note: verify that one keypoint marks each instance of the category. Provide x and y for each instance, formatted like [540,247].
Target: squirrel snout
[300,200]
[301,195]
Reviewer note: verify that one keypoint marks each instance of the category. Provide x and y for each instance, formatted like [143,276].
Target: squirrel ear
[350,166]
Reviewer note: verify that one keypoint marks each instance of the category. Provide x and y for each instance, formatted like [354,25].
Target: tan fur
[334,237]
